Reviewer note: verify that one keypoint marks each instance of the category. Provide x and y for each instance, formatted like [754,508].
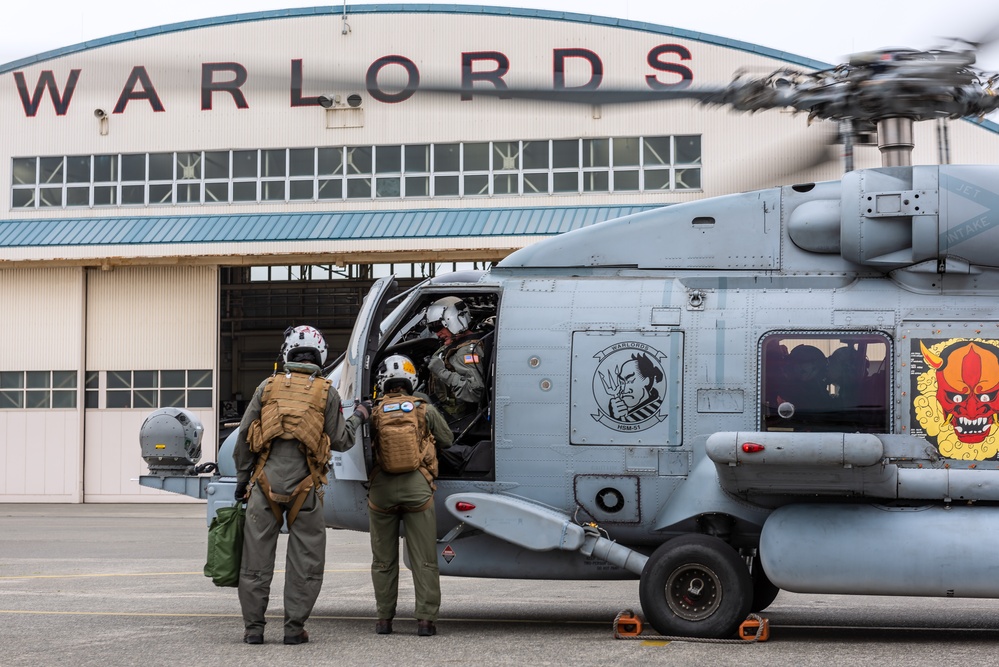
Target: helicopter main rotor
[891,88]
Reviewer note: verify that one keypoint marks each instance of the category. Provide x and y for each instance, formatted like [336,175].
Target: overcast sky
[823,31]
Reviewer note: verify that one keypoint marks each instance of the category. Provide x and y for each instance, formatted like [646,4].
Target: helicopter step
[538,527]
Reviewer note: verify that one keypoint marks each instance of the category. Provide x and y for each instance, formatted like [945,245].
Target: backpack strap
[265,486]
[300,493]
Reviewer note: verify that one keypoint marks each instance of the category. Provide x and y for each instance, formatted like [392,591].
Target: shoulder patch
[471,358]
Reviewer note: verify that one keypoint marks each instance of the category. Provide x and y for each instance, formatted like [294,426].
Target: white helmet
[449,313]
[396,367]
[304,339]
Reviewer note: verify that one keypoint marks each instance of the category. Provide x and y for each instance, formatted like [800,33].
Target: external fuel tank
[934,550]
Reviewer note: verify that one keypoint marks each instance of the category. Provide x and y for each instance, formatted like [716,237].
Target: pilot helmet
[399,369]
[301,340]
[449,313]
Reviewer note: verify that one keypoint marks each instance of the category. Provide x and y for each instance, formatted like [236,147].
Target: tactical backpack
[403,441]
[293,406]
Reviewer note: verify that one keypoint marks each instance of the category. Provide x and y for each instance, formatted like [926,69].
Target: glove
[363,409]
[240,494]
[436,366]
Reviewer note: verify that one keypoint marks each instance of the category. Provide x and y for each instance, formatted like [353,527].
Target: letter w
[46,80]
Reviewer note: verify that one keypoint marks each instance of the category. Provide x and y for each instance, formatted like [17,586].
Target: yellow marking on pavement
[34,612]
[144,574]
[404,619]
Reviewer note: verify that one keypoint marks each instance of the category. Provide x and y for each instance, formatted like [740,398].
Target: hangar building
[176,197]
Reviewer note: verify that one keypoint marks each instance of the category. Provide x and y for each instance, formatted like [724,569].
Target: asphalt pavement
[114,585]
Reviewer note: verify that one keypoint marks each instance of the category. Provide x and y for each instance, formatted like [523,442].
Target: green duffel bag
[225,545]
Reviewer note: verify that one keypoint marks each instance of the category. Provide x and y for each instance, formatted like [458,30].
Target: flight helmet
[449,313]
[303,342]
[397,369]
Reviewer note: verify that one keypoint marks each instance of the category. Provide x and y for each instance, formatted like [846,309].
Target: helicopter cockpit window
[825,382]
[471,455]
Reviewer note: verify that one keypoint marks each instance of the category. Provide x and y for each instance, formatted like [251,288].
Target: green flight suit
[286,466]
[459,382]
[398,495]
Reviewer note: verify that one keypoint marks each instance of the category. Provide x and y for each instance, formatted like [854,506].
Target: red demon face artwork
[967,379]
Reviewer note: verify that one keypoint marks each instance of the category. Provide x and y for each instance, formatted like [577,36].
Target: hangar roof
[342,225]
[389,8]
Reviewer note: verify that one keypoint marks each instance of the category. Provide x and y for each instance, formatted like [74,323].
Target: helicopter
[791,389]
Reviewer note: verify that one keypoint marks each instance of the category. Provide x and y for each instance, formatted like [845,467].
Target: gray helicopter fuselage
[698,295]
[805,376]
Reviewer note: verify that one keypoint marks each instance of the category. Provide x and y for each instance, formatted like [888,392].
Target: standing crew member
[282,455]
[406,432]
[457,383]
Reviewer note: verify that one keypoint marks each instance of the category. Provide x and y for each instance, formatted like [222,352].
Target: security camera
[100,114]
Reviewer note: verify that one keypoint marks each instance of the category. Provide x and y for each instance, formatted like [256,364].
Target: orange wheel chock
[628,625]
[754,626]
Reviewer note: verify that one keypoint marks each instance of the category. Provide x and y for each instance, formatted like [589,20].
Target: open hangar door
[258,303]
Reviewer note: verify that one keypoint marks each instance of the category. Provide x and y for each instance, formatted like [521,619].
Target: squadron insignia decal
[956,397]
[629,385]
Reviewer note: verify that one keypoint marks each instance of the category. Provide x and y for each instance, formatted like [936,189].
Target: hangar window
[416,179]
[189,175]
[283,273]
[154,389]
[475,165]
[477,169]
[37,389]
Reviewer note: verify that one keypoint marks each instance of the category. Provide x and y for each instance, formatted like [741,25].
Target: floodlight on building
[329,101]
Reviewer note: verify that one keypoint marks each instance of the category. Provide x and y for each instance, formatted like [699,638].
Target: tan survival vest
[292,407]
[402,438]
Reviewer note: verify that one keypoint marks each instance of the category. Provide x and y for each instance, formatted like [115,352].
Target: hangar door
[152,340]
[41,417]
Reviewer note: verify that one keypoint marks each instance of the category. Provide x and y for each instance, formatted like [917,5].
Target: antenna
[346,26]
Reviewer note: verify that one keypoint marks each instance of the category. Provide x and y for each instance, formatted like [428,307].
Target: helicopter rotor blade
[595,96]
[808,154]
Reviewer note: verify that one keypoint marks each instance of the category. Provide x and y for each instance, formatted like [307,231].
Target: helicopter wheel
[696,586]
[764,590]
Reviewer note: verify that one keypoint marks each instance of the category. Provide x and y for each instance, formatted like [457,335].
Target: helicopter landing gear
[696,586]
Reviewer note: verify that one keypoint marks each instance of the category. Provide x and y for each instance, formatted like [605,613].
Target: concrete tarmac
[114,585]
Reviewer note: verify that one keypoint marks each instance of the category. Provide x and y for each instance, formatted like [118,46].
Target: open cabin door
[355,378]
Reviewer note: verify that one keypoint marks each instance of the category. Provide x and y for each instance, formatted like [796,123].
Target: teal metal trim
[325,226]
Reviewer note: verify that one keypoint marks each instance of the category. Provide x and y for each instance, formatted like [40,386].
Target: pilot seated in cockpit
[457,376]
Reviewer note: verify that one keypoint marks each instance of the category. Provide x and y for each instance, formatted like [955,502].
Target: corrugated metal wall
[41,450]
[151,318]
[143,318]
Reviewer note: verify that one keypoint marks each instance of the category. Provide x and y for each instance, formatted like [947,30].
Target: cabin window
[832,382]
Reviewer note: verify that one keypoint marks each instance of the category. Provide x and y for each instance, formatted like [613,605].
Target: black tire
[725,588]
[764,590]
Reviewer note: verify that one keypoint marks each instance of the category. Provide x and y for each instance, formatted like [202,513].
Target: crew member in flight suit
[282,454]
[406,497]
[457,377]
